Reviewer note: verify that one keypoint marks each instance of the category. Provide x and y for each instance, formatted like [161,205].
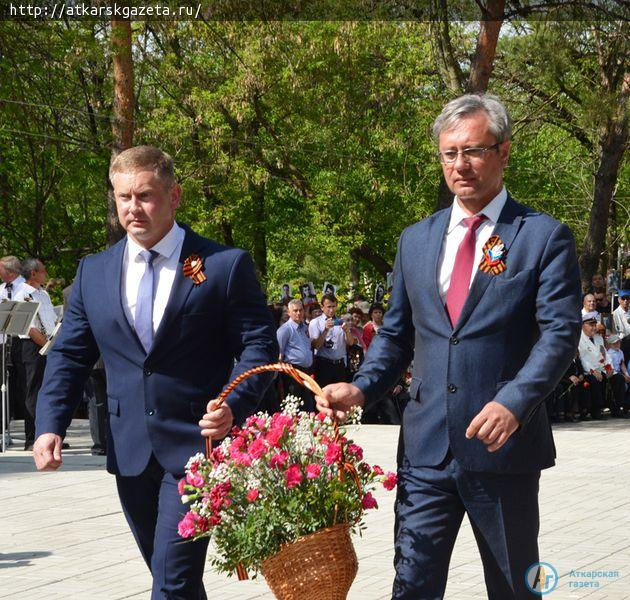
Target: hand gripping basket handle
[302,378]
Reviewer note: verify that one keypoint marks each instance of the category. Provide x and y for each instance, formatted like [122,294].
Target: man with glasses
[486,300]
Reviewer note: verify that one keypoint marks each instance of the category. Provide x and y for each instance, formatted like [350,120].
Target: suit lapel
[506,228]
[436,240]
[182,286]
[113,281]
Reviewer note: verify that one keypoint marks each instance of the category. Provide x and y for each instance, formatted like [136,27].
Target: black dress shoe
[98,452]
[65,446]
[28,447]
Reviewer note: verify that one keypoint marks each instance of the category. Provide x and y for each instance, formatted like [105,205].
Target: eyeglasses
[450,156]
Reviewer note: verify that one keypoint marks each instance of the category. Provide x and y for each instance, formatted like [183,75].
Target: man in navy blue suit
[486,302]
[175,317]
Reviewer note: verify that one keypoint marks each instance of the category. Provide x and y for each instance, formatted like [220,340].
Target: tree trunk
[257,191]
[483,60]
[124,104]
[480,67]
[368,254]
[613,143]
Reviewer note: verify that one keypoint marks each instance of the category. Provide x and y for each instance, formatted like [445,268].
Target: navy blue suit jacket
[155,400]
[516,336]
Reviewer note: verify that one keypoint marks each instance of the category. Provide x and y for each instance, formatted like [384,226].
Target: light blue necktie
[144,303]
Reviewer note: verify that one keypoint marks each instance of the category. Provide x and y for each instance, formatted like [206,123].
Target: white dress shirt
[165,266]
[621,323]
[46,317]
[455,235]
[592,353]
[16,286]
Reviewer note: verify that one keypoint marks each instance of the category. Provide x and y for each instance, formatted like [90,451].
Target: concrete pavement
[63,535]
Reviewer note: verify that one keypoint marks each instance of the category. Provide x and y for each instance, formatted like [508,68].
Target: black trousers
[34,365]
[596,395]
[618,387]
[327,372]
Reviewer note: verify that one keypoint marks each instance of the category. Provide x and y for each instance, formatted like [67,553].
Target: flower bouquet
[280,497]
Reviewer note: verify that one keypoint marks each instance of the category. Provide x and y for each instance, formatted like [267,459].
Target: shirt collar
[165,247]
[492,210]
[295,325]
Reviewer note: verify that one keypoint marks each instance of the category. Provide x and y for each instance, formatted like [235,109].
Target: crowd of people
[330,343]
[27,280]
[597,383]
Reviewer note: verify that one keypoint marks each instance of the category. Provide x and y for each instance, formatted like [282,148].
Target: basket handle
[302,378]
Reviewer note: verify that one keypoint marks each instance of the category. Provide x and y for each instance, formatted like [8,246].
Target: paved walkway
[62,535]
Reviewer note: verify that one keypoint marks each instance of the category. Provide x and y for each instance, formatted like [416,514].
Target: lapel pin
[193,267]
[493,256]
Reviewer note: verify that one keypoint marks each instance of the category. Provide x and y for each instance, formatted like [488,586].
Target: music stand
[15,319]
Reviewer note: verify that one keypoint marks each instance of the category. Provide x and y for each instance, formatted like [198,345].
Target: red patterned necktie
[462,270]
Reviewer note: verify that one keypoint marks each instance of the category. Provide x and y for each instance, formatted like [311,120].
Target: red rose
[586,384]
[253,495]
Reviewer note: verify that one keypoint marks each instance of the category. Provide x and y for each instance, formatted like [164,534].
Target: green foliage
[302,142]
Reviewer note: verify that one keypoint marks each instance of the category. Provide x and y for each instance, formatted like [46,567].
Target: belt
[339,361]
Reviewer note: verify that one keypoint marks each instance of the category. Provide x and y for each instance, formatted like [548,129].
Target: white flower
[185,499]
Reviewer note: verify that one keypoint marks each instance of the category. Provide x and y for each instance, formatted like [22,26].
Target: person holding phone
[330,339]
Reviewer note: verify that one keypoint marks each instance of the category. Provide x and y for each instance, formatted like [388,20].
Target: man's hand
[47,452]
[217,422]
[493,425]
[338,398]
[597,375]
[574,380]
[330,323]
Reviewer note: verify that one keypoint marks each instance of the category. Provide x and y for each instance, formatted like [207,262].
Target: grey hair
[295,302]
[12,263]
[468,104]
[28,266]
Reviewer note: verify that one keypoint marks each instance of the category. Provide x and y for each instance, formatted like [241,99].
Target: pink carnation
[333,453]
[390,481]
[355,451]
[293,476]
[272,437]
[240,458]
[313,470]
[368,501]
[180,486]
[191,524]
[253,495]
[377,470]
[194,479]
[280,459]
[320,416]
[257,448]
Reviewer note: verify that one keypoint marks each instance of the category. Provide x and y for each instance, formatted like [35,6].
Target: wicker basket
[320,566]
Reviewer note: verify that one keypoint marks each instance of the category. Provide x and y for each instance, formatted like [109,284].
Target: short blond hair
[144,158]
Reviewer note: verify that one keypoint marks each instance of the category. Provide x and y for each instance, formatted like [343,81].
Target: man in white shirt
[621,322]
[42,328]
[331,339]
[175,317]
[593,358]
[12,282]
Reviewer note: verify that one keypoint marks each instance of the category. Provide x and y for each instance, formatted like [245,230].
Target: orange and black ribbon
[493,259]
[193,268]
